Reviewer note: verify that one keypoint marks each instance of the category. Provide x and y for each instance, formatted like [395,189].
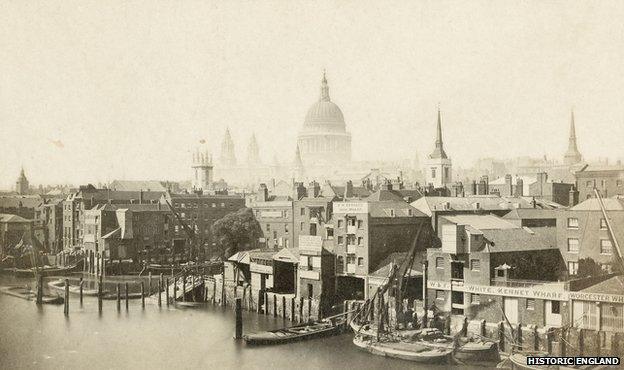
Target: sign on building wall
[536,292]
[271,214]
[350,207]
[310,243]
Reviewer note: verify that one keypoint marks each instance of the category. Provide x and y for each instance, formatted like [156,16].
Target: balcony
[351,268]
[351,248]
[351,229]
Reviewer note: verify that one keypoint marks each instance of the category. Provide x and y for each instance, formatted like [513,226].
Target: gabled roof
[522,239]
[290,255]
[486,202]
[531,213]
[614,285]
[482,222]
[397,258]
[385,195]
[4,217]
[240,257]
[592,204]
[20,201]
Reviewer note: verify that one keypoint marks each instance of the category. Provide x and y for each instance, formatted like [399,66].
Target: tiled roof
[134,207]
[601,168]
[385,208]
[531,213]
[522,239]
[482,222]
[385,195]
[488,203]
[592,204]
[4,217]
[397,258]
[20,201]
[126,185]
[614,285]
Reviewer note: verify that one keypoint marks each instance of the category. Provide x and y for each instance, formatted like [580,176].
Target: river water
[34,337]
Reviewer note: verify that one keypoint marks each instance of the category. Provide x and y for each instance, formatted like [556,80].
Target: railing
[517,283]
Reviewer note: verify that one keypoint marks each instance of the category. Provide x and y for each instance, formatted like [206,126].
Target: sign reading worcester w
[350,207]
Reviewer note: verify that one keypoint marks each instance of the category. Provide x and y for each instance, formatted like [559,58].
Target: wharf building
[607,179]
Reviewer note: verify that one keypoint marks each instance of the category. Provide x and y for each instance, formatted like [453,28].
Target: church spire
[324,88]
[572,155]
[438,152]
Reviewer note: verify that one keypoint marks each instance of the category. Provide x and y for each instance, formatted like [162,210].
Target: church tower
[228,156]
[572,155]
[298,170]
[438,167]
[253,152]
[202,168]
[22,186]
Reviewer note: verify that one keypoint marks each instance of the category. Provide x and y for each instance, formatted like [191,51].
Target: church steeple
[572,155]
[324,89]
[228,156]
[438,152]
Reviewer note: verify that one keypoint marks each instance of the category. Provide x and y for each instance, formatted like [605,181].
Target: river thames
[166,337]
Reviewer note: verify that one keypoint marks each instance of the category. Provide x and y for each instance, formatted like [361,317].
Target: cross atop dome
[324,88]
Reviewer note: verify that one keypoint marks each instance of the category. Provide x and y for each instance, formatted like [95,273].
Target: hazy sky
[97,90]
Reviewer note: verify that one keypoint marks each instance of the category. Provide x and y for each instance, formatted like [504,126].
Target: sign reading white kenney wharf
[552,293]
[350,207]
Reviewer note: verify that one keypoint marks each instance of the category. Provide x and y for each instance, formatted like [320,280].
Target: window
[439,262]
[286,228]
[351,222]
[268,227]
[475,299]
[350,259]
[301,226]
[556,307]
[303,211]
[618,183]
[360,240]
[310,267]
[340,239]
[222,205]
[360,261]
[340,223]
[603,224]
[573,245]
[573,223]
[287,243]
[439,294]
[330,233]
[213,205]
[274,234]
[572,267]
[475,265]
[588,184]
[360,224]
[392,213]
[433,173]
[606,267]
[530,304]
[605,246]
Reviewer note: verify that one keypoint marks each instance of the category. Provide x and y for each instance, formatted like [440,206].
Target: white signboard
[310,243]
[271,214]
[350,207]
[261,269]
[597,297]
[532,292]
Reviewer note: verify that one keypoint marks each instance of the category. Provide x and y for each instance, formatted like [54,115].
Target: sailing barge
[328,327]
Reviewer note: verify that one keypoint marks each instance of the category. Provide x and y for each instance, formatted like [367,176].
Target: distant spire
[324,88]
[228,156]
[438,152]
[253,151]
[572,155]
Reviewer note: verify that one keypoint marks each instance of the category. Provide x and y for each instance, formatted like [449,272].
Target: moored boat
[75,289]
[29,295]
[415,352]
[466,349]
[324,328]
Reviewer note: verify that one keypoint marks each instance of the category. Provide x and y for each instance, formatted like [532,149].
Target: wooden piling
[214,291]
[118,297]
[160,292]
[149,284]
[300,309]
[184,288]
[274,305]
[100,283]
[66,310]
[284,307]
[142,294]
[81,282]
[239,319]
[309,309]
[175,289]
[167,292]
[126,291]
[162,282]
[292,309]
[39,289]
[501,336]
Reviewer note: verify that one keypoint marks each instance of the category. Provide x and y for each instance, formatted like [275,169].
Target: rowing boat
[75,289]
[29,295]
[415,352]
[317,329]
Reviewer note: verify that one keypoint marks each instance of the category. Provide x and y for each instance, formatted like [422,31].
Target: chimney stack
[315,189]
[508,185]
[519,187]
[349,189]
[263,193]
[573,197]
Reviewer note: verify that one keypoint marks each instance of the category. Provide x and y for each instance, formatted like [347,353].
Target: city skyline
[108,97]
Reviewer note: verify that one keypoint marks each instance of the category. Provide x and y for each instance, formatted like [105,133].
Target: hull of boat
[29,295]
[113,296]
[60,286]
[405,351]
[292,334]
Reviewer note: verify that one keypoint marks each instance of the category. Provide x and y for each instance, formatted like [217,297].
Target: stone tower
[202,168]
[253,152]
[21,185]
[438,166]
[228,156]
[572,155]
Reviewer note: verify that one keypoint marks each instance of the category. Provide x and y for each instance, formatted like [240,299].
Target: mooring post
[160,292]
[214,291]
[301,309]
[143,294]
[239,319]
[100,295]
[184,287]
[167,292]
[66,297]
[118,297]
[161,281]
[126,291]
[175,289]
[40,289]
[149,284]
[81,282]
[284,307]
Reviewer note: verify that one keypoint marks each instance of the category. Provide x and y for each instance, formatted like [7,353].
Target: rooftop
[614,285]
[4,217]
[482,222]
[592,204]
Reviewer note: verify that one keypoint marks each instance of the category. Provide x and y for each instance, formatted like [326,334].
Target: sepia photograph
[327,184]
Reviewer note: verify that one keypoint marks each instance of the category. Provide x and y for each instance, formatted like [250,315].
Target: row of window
[476,299]
[205,205]
[573,267]
[573,223]
[351,222]
[351,260]
[606,247]
[351,240]
[475,264]
[590,183]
